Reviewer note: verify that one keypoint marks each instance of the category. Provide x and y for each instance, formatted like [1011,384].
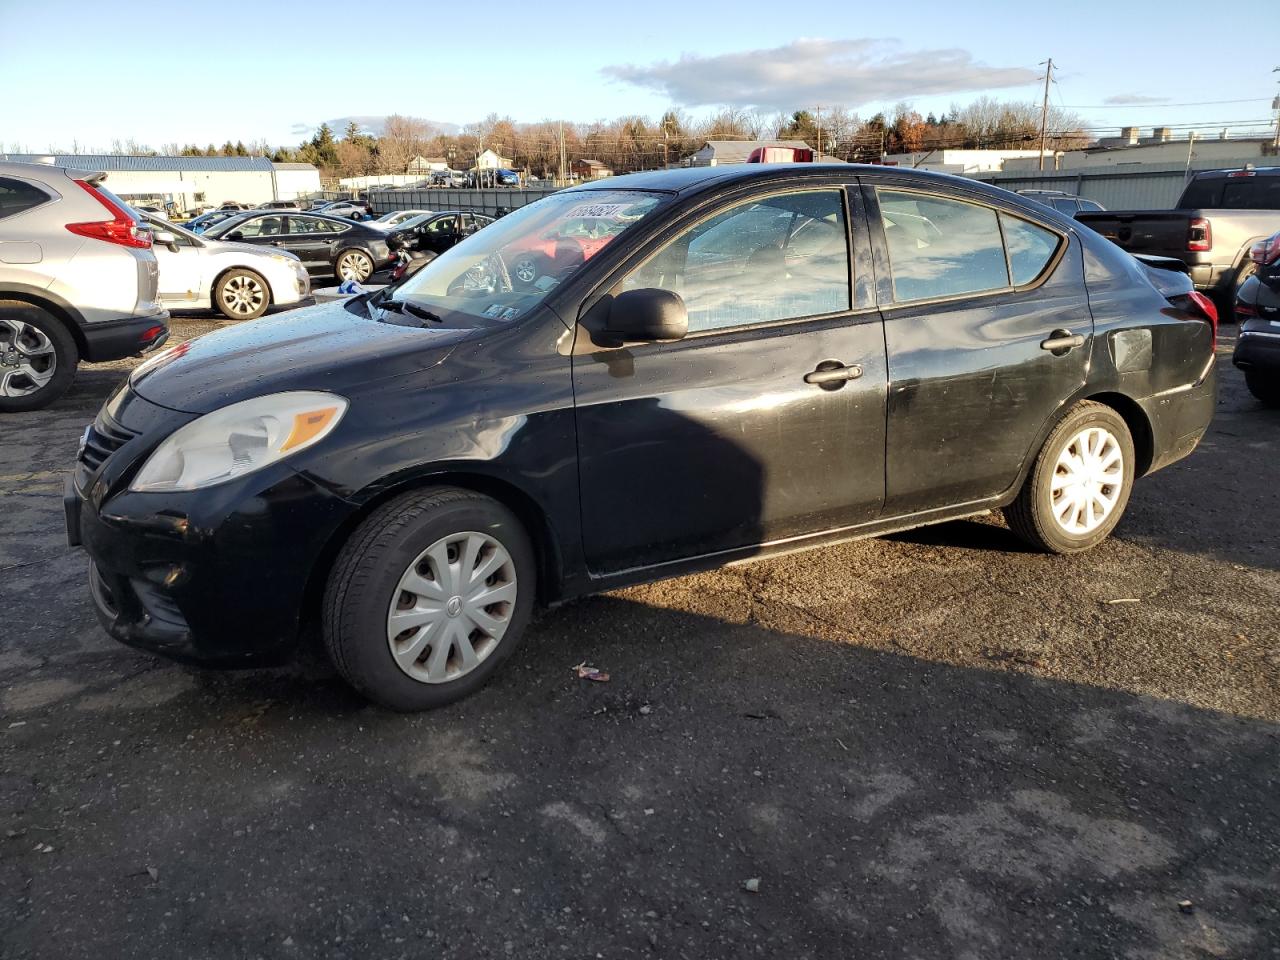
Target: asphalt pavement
[930,745]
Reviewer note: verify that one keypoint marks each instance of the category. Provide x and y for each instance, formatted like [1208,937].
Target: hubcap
[28,359]
[243,295]
[525,271]
[452,607]
[355,266]
[1087,481]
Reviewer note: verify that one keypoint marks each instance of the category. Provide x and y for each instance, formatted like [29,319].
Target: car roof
[1237,171]
[690,180]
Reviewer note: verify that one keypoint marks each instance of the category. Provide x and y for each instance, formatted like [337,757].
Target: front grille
[105,438]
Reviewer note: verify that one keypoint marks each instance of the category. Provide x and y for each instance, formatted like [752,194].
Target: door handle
[832,374]
[1061,342]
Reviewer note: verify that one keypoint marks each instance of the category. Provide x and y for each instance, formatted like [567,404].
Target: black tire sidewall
[360,626]
[228,277]
[1265,389]
[1093,415]
[66,355]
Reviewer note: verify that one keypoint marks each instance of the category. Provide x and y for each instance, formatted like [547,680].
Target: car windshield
[505,270]
[413,222]
[227,225]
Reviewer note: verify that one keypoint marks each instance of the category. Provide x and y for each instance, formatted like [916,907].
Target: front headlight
[239,439]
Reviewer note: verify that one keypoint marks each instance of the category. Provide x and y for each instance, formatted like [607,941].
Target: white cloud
[1132,99]
[809,72]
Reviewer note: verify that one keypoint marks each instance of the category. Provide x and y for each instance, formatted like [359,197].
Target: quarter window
[1030,248]
[779,258]
[940,247]
[19,197]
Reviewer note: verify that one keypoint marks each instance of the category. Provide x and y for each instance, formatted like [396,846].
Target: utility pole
[561,181]
[1044,109]
[1191,142]
[1275,105]
[819,157]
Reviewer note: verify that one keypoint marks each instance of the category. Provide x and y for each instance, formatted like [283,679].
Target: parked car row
[1257,307]
[326,245]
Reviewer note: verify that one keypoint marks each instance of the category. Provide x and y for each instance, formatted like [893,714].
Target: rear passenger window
[1088,206]
[1065,205]
[1030,248]
[18,197]
[940,247]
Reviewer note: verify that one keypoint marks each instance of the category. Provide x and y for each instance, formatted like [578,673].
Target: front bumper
[219,576]
[130,337]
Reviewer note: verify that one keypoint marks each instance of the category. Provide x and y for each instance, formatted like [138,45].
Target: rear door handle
[832,374]
[1061,341]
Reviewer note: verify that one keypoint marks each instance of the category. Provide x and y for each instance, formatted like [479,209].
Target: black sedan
[327,246]
[1257,309]
[731,362]
[436,232]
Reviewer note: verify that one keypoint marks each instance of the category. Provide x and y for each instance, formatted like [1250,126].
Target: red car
[566,246]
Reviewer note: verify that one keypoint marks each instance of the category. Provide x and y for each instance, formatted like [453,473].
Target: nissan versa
[711,364]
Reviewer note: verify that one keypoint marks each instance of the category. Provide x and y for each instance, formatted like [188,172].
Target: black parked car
[436,232]
[327,246]
[1257,308]
[732,362]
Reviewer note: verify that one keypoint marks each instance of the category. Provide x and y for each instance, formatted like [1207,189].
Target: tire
[38,357]
[393,553]
[1062,523]
[526,269]
[353,264]
[1266,389]
[242,294]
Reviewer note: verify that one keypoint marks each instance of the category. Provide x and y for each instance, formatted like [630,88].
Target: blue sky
[205,71]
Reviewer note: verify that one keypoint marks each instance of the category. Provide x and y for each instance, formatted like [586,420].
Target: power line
[1158,105]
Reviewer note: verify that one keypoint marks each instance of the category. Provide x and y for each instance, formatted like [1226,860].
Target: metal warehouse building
[185,184]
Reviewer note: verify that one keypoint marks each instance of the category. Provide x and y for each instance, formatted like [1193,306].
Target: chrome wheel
[452,607]
[1087,481]
[525,270]
[354,265]
[242,295]
[28,359]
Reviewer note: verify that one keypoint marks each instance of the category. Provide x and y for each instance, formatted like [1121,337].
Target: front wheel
[1079,485]
[38,357]
[428,597]
[353,265]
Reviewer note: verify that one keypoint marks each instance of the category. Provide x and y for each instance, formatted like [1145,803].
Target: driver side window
[778,258]
[262,227]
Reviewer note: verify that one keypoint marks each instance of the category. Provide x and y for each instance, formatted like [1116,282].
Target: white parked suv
[239,280]
[78,281]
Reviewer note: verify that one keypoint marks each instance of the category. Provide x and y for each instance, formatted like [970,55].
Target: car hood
[325,347]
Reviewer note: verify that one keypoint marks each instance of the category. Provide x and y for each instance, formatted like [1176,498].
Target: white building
[488,160]
[185,184]
[969,161]
[1201,152]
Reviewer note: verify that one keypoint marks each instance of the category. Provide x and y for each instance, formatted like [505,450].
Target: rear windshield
[1233,193]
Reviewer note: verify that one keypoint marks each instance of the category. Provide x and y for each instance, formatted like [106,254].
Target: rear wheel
[428,597]
[353,265]
[1265,388]
[1247,270]
[1079,485]
[38,357]
[242,295]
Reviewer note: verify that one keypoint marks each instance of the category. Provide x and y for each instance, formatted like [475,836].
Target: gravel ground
[929,745]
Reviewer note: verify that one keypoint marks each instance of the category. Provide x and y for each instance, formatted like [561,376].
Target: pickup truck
[1221,214]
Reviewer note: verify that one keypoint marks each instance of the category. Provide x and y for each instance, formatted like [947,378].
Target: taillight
[121,228]
[1199,235]
[1266,251]
[1205,306]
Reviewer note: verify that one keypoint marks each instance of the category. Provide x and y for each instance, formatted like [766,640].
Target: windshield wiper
[405,306]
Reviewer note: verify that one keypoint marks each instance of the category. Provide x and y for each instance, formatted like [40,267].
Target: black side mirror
[234,235]
[647,315]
